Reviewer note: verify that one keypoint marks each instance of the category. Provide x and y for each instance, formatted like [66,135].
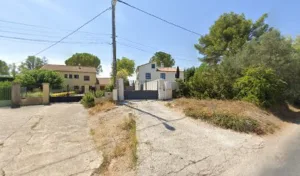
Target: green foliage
[126,64]
[99,94]
[189,73]
[32,63]
[260,86]
[162,57]
[88,100]
[184,89]
[210,82]
[13,70]
[4,69]
[109,88]
[34,78]
[227,36]
[85,59]
[124,75]
[5,84]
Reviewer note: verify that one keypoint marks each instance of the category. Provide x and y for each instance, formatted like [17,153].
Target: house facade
[150,72]
[76,77]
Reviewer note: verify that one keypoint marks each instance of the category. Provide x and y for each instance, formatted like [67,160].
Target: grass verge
[102,107]
[115,134]
[235,115]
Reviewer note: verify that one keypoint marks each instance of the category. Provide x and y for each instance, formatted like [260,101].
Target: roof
[167,69]
[144,65]
[103,81]
[70,68]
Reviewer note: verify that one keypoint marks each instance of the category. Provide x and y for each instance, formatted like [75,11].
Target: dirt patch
[102,107]
[236,115]
[115,132]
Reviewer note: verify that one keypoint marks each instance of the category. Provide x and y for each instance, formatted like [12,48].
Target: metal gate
[141,94]
[5,96]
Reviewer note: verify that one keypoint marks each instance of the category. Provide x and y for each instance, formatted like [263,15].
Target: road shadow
[162,120]
[286,113]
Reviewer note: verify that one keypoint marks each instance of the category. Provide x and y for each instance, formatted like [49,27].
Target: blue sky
[59,16]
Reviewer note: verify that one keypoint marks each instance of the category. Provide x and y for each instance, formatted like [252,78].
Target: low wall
[5,103]
[32,101]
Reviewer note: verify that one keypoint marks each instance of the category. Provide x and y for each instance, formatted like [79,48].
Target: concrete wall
[32,101]
[78,82]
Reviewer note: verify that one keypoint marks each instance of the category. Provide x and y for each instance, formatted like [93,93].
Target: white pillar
[161,89]
[120,89]
[15,95]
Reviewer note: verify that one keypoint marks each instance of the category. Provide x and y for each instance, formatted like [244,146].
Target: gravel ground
[46,140]
[172,144]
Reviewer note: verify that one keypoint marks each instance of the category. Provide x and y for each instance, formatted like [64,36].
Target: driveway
[46,140]
[172,144]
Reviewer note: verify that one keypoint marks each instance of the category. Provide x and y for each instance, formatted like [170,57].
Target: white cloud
[106,70]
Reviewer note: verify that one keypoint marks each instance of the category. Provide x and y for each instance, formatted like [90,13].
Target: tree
[32,63]
[177,74]
[124,75]
[163,58]
[4,70]
[189,73]
[126,64]
[85,59]
[13,70]
[296,44]
[34,78]
[227,36]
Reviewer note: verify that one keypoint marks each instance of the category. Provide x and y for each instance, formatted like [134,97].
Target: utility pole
[114,69]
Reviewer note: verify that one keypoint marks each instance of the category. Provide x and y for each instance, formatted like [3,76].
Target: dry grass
[236,115]
[115,134]
[102,107]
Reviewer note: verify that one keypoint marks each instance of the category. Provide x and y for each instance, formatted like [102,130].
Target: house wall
[80,81]
[141,75]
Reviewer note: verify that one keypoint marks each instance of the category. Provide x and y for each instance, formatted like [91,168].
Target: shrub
[88,100]
[260,86]
[99,94]
[5,84]
[184,89]
[109,88]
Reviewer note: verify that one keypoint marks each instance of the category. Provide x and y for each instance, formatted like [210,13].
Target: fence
[5,96]
[152,85]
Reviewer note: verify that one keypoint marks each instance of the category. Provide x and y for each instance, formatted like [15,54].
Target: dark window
[162,75]
[76,76]
[148,75]
[70,76]
[76,87]
[86,78]
[152,65]
[66,75]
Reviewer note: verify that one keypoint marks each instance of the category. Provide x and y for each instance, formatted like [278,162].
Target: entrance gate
[141,94]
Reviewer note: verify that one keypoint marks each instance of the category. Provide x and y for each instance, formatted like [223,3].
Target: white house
[150,72]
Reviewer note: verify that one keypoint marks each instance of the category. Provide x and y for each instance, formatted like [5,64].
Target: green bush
[5,84]
[210,82]
[88,100]
[99,93]
[260,86]
[109,88]
[184,89]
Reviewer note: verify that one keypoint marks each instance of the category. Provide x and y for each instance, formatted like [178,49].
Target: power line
[73,32]
[171,23]
[49,41]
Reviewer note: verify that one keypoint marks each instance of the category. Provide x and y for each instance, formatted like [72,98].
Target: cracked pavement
[46,140]
[172,144]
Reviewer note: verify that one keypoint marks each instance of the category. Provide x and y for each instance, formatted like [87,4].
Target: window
[76,76]
[76,87]
[152,65]
[86,78]
[70,76]
[148,75]
[163,75]
[66,75]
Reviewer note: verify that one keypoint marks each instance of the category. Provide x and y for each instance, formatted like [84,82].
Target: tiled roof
[167,69]
[69,68]
[103,81]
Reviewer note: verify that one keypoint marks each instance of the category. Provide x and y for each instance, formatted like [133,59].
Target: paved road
[172,144]
[46,140]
